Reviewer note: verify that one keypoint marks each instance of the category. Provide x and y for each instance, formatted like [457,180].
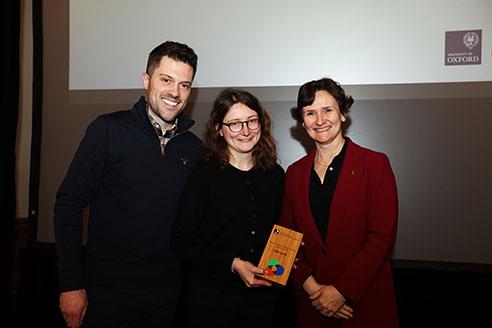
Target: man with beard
[130,170]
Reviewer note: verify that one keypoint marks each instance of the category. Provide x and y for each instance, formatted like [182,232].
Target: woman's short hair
[265,151]
[308,91]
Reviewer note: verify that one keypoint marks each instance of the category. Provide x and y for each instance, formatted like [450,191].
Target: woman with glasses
[232,200]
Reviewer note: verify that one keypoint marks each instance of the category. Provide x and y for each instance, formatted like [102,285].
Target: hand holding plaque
[279,254]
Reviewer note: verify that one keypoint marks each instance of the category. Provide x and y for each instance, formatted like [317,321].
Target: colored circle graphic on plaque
[274,268]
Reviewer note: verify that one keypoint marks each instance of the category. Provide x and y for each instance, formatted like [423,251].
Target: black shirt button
[253,232]
[251,250]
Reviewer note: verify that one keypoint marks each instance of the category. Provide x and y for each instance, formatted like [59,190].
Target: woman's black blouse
[321,194]
[225,213]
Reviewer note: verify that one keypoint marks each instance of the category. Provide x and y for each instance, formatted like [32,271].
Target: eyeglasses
[237,126]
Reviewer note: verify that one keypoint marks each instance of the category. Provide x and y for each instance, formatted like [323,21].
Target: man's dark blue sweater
[132,191]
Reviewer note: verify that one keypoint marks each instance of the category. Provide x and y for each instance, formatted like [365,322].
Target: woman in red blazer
[343,198]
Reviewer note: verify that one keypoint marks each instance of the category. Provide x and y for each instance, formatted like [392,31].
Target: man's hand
[73,305]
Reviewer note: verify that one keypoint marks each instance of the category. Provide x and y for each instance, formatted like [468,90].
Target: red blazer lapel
[302,182]
[347,183]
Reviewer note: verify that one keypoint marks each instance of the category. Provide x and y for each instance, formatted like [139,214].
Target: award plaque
[279,254]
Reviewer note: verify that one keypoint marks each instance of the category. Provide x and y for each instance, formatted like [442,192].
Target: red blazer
[361,233]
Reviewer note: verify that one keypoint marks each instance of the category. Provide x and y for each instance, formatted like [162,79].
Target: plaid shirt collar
[164,137]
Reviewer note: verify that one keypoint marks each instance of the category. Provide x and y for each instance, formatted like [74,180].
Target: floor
[426,296]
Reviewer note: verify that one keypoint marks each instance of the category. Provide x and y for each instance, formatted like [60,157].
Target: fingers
[327,313]
[341,316]
[315,295]
[347,308]
[261,282]
[248,272]
[246,282]
[253,282]
[73,305]
[345,312]
[319,305]
[257,270]
[83,316]
[73,321]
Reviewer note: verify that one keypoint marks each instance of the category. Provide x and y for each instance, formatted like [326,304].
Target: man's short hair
[174,50]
